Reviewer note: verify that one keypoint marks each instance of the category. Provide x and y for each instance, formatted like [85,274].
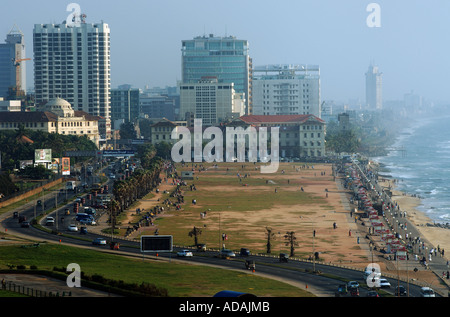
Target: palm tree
[291,241]
[270,236]
[195,232]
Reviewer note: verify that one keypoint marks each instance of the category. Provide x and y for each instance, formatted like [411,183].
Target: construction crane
[16,63]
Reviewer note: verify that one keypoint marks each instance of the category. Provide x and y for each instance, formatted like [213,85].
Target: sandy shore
[437,236]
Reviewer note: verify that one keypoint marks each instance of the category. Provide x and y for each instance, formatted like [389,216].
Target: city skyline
[146,38]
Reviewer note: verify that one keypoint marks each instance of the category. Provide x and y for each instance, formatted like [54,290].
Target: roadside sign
[157,243]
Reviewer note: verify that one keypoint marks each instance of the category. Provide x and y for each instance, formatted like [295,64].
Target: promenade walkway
[438,263]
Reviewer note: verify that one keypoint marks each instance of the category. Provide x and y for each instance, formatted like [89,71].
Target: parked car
[225,254]
[384,283]
[372,294]
[72,228]
[184,253]
[99,241]
[400,291]
[352,284]
[427,292]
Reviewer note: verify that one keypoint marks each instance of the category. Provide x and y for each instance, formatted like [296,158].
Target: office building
[73,63]
[225,58]
[286,90]
[12,64]
[125,104]
[211,101]
[374,88]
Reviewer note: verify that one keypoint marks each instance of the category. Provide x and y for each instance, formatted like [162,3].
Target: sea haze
[423,168]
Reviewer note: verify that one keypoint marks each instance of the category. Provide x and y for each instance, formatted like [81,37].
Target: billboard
[156,243]
[118,153]
[65,166]
[43,156]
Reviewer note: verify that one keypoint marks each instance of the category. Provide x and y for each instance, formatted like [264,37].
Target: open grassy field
[241,202]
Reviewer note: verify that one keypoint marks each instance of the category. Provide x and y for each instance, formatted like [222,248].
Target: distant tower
[374,88]
[12,50]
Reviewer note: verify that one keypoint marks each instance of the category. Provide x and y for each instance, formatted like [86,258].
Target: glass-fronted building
[224,58]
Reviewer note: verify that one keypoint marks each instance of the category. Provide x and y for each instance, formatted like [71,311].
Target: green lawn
[180,280]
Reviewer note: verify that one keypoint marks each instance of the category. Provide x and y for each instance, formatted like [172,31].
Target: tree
[291,241]
[127,131]
[270,236]
[195,232]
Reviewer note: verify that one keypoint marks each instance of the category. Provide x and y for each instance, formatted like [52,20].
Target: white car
[50,221]
[384,283]
[112,176]
[427,292]
[184,253]
[88,221]
[73,228]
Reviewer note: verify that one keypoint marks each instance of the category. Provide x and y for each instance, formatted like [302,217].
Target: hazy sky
[411,47]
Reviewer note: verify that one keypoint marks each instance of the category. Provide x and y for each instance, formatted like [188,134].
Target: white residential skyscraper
[73,63]
[374,88]
[286,90]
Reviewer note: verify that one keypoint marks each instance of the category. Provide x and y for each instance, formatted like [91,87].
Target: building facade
[57,116]
[225,58]
[125,104]
[73,63]
[11,51]
[286,90]
[211,101]
[374,86]
[301,136]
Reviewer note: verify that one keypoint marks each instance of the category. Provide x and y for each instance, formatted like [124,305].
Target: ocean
[420,161]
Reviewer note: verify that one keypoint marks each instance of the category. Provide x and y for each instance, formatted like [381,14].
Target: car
[427,292]
[184,253]
[372,294]
[244,252]
[50,221]
[25,224]
[400,291]
[384,283]
[39,203]
[83,230]
[354,291]
[67,211]
[225,254]
[87,221]
[112,176]
[99,241]
[72,227]
[352,284]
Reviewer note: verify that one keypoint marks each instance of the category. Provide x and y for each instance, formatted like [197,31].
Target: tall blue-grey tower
[225,58]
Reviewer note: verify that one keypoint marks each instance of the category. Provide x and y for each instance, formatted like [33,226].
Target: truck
[71,185]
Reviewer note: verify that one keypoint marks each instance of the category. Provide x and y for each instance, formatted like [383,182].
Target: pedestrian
[350,233]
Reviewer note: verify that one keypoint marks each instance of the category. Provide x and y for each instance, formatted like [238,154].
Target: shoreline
[435,234]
